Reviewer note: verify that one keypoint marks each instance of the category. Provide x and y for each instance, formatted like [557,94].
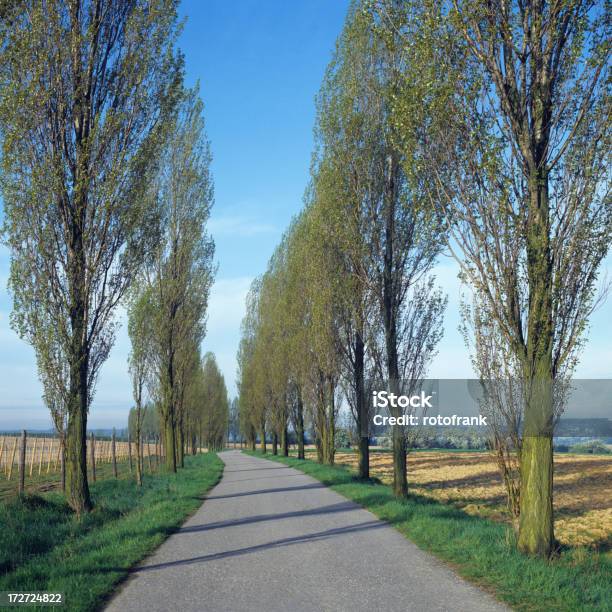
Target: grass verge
[45,547]
[480,550]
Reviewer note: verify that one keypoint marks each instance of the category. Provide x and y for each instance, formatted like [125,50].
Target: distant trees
[212,415]
[85,90]
[149,425]
[233,426]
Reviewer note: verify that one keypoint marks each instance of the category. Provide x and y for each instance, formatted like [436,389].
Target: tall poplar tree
[84,89]
[182,270]
[386,233]
[511,104]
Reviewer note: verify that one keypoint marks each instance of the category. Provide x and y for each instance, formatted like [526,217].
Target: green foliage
[342,438]
[171,296]
[592,447]
[86,94]
[150,426]
[209,411]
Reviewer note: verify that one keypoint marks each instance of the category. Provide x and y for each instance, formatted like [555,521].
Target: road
[269,538]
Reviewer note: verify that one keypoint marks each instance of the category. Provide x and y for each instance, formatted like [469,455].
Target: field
[470,481]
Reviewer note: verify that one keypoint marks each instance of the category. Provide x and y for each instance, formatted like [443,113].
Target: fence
[30,459]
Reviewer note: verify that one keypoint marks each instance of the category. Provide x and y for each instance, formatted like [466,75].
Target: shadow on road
[264,491]
[334,508]
[257,469]
[321,535]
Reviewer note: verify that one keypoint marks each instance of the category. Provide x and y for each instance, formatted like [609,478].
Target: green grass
[480,550]
[51,481]
[45,547]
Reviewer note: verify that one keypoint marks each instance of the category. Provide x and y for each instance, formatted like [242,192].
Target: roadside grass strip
[45,547]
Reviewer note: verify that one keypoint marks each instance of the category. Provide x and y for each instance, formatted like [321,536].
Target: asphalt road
[268,537]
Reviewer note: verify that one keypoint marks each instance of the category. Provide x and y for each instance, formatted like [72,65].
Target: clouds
[225,312]
[240,225]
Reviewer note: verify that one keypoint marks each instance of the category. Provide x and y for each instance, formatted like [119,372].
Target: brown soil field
[471,481]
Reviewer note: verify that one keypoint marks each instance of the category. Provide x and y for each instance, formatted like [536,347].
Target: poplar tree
[214,404]
[511,103]
[140,364]
[85,86]
[182,270]
[386,233]
[253,402]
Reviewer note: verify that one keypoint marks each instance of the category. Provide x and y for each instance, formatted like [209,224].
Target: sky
[259,66]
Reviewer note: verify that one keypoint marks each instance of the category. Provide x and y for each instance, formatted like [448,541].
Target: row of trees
[477,129]
[168,300]
[106,190]
[205,423]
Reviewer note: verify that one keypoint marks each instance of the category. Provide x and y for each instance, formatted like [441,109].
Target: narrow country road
[268,537]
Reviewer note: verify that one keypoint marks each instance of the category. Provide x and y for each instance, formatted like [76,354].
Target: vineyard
[40,461]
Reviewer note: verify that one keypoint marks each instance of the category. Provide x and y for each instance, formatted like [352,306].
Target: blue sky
[259,65]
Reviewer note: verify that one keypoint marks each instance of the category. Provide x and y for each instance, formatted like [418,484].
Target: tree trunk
[285,440]
[274,443]
[361,409]
[138,453]
[330,446]
[170,444]
[263,440]
[76,447]
[180,445]
[536,528]
[300,425]
[400,481]
[319,443]
[77,272]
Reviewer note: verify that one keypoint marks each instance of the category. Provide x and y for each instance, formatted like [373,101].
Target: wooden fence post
[113,452]
[149,454]
[22,462]
[50,455]
[129,443]
[32,457]
[92,442]
[42,452]
[63,460]
[1,451]
[10,473]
